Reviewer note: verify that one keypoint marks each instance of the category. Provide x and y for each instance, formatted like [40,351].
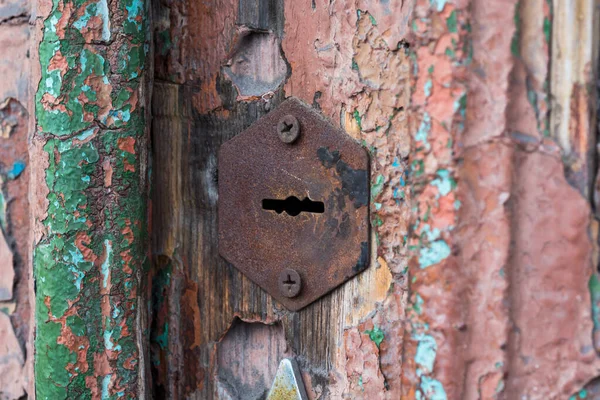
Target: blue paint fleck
[16,170]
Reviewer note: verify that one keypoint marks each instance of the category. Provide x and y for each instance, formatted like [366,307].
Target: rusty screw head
[289,283]
[288,129]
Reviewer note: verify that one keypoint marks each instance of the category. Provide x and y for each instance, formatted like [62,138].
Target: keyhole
[293,206]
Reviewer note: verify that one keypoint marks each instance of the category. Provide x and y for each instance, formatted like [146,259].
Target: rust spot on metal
[324,166]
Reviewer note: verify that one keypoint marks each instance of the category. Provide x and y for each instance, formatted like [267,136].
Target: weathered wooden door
[468,268]
[220,66]
[479,120]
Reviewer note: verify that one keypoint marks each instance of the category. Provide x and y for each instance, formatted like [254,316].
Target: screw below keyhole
[289,283]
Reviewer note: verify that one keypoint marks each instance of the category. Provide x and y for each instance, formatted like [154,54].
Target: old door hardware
[293,204]
[288,129]
[290,283]
[288,384]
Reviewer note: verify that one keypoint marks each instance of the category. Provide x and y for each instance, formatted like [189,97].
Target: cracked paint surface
[440,57]
[452,99]
[89,242]
[357,72]
[503,279]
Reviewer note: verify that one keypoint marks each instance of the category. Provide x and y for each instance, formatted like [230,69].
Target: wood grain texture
[196,107]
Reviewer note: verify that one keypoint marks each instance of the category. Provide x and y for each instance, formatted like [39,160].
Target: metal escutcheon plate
[294,214]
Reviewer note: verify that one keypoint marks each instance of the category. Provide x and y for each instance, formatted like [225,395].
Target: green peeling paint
[376,335]
[377,186]
[514,45]
[358,119]
[594,287]
[451,22]
[86,264]
[2,207]
[372,19]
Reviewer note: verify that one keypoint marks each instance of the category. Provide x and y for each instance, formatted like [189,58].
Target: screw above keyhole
[289,283]
[288,129]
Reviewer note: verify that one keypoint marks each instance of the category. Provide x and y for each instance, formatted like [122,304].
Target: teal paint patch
[432,389]
[424,130]
[444,182]
[428,87]
[105,385]
[372,19]
[162,339]
[438,4]
[434,253]
[108,344]
[99,9]
[582,394]
[107,262]
[418,304]
[426,352]
[377,186]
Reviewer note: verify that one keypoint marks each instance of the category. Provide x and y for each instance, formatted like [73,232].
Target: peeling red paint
[127,144]
[82,241]
[108,172]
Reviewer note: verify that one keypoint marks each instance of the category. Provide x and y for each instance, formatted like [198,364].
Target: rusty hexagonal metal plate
[294,207]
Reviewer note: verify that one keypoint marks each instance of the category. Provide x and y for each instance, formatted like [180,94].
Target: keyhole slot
[293,206]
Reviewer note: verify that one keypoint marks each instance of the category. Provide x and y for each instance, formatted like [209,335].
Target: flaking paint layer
[90,251]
